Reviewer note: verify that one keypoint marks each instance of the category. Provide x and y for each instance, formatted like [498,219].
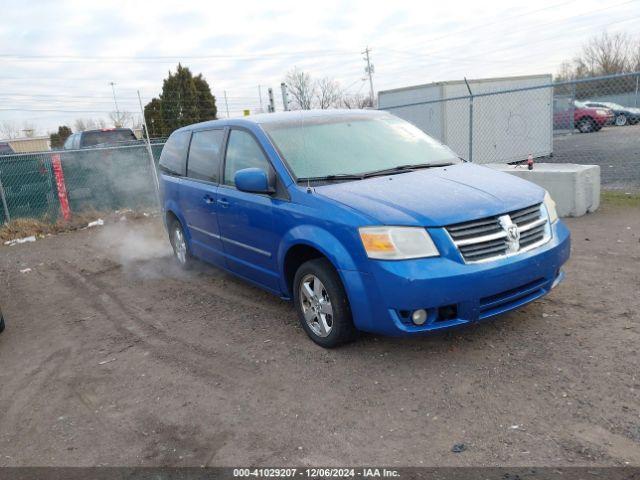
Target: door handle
[223,202]
[208,199]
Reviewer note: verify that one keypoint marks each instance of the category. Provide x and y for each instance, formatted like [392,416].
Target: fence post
[470,120]
[152,161]
[7,217]
[637,79]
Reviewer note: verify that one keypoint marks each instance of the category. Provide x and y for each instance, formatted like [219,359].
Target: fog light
[419,316]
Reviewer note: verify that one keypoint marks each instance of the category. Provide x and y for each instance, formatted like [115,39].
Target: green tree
[184,100]
[153,115]
[57,139]
[206,101]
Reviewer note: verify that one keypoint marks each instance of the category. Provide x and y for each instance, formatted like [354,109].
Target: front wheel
[322,304]
[621,120]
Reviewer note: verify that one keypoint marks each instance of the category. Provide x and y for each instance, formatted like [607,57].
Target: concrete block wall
[575,188]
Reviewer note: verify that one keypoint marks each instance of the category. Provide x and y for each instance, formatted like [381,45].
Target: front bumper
[452,292]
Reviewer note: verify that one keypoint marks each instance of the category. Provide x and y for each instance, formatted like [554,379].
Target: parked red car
[585,119]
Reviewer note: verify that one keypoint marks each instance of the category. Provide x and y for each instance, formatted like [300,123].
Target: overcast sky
[57,58]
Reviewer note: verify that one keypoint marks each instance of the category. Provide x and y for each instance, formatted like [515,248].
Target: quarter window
[204,155]
[174,154]
[243,152]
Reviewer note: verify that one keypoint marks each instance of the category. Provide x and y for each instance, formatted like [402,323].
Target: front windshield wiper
[404,168]
[329,178]
[374,173]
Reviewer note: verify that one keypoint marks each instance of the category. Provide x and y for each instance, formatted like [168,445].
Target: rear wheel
[179,244]
[621,120]
[322,304]
[586,125]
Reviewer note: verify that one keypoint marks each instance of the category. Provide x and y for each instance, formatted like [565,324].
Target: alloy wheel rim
[179,245]
[621,120]
[316,306]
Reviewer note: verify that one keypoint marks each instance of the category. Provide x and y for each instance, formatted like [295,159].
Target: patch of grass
[617,198]
[27,227]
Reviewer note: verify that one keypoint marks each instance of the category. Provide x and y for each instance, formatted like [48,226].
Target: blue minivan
[364,221]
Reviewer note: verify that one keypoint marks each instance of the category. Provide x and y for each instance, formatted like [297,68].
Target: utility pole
[272,105]
[226,103]
[260,95]
[285,96]
[369,69]
[113,89]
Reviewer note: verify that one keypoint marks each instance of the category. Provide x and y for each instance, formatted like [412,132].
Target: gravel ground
[114,357]
[615,149]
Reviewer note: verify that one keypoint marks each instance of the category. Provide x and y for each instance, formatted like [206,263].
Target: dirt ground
[114,357]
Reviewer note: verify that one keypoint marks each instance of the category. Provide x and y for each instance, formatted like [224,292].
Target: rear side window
[106,137]
[174,154]
[242,152]
[204,155]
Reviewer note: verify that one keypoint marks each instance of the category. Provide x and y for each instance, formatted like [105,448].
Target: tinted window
[174,154]
[68,143]
[106,137]
[242,152]
[204,155]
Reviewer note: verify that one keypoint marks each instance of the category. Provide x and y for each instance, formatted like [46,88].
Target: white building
[507,126]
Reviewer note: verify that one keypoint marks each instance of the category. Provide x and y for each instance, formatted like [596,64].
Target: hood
[437,196]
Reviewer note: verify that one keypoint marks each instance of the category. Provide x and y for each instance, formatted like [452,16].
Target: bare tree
[328,93]
[635,57]
[603,55]
[356,100]
[9,130]
[302,89]
[29,129]
[121,119]
[82,124]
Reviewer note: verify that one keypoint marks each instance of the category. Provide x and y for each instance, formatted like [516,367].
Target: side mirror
[254,180]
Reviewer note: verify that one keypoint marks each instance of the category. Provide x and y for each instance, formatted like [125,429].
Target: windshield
[106,137]
[317,147]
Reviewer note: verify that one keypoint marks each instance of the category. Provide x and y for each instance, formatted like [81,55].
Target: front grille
[501,235]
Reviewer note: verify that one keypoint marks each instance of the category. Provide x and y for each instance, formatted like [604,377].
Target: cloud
[240,45]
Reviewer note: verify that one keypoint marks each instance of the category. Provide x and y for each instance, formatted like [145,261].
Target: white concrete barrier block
[575,188]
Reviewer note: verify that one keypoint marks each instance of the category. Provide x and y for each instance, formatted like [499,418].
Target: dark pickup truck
[105,137]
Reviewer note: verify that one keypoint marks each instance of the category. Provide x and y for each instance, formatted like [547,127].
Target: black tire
[342,329]
[621,120]
[1,323]
[586,125]
[186,261]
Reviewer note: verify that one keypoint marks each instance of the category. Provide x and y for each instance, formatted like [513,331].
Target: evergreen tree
[153,115]
[184,100]
[58,139]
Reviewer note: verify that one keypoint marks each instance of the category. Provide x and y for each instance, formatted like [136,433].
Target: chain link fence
[57,184]
[587,121]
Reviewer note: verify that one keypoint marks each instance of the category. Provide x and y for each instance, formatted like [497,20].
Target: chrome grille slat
[478,246]
[489,238]
[485,251]
[518,214]
[523,219]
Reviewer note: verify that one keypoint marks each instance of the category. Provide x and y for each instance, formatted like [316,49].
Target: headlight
[550,205]
[397,243]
